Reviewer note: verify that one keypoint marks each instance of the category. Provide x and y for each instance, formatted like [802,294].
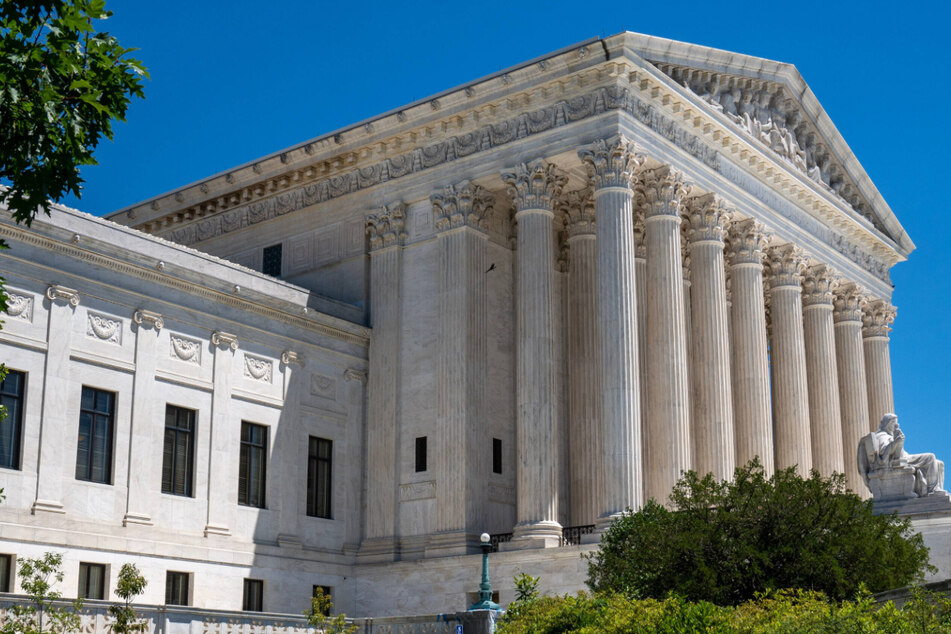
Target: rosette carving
[578,210]
[612,162]
[818,286]
[707,218]
[878,318]
[786,264]
[850,302]
[664,191]
[746,242]
[534,185]
[460,205]
[385,226]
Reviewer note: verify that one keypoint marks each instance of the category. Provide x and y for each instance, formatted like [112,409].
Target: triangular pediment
[769,102]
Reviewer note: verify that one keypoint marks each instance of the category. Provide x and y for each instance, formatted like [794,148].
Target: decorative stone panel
[103,328]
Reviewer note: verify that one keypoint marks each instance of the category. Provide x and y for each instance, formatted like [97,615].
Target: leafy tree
[726,541]
[131,584]
[62,84]
[42,614]
[319,615]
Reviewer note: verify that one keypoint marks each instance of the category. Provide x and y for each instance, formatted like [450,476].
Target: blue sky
[233,81]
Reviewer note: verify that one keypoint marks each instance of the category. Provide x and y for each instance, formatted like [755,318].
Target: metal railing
[497,539]
[571,535]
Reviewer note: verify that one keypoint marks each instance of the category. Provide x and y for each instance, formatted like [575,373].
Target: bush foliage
[724,542]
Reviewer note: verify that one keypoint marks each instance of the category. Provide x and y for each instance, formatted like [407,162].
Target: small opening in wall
[272,260]
[496,455]
[420,454]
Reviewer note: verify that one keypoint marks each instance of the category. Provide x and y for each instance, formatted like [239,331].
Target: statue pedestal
[937,502]
[894,484]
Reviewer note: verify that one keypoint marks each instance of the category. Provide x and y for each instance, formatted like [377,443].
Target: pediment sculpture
[891,473]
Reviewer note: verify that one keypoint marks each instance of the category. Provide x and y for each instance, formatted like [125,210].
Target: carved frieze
[258,369]
[183,349]
[19,307]
[103,328]
[417,491]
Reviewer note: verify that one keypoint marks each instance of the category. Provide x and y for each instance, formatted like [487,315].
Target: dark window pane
[252,465]
[92,581]
[421,454]
[176,588]
[11,427]
[6,573]
[496,455]
[272,260]
[319,475]
[253,595]
[177,456]
[94,446]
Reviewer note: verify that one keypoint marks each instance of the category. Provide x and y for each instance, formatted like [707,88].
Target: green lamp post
[485,588]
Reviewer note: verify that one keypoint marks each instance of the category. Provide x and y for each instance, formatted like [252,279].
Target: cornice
[31,236]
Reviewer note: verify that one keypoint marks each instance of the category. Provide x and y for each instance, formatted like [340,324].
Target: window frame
[250,449]
[314,470]
[179,432]
[85,568]
[248,584]
[7,572]
[14,420]
[109,418]
[170,575]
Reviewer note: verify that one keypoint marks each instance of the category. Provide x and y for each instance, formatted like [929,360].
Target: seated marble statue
[883,452]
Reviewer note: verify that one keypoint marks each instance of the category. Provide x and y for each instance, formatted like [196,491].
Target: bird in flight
[491,268]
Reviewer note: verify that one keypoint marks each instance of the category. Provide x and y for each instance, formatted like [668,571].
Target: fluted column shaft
[461,439]
[850,300]
[752,411]
[533,188]
[824,411]
[640,277]
[611,165]
[876,324]
[668,379]
[793,443]
[712,430]
[584,360]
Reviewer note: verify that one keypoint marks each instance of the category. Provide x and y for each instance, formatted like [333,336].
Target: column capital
[786,263]
[818,286]
[578,209]
[612,162]
[746,242]
[55,292]
[707,218]
[850,302]
[534,185]
[664,191]
[461,205]
[878,318]
[385,226]
[225,339]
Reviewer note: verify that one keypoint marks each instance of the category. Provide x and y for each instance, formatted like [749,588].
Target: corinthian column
[461,436]
[611,164]
[752,413]
[713,398]
[640,276]
[386,236]
[788,355]
[668,378]
[533,188]
[876,324]
[584,359]
[824,414]
[850,300]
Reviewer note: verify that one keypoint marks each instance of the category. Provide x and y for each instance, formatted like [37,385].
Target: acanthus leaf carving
[786,264]
[664,191]
[612,162]
[534,185]
[746,242]
[577,208]
[463,204]
[850,301]
[708,217]
[385,226]
[878,318]
[818,286]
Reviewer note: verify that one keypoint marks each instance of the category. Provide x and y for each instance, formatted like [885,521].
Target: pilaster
[225,437]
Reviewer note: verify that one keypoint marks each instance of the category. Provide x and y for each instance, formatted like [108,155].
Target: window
[94,450]
[6,573]
[272,260]
[177,458]
[327,591]
[11,428]
[251,473]
[319,474]
[176,588]
[420,454]
[92,581]
[253,595]
[496,455]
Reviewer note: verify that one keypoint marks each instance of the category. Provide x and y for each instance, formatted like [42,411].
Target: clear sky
[233,81]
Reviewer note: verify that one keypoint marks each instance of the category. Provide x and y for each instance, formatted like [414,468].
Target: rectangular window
[6,573]
[253,595]
[420,454]
[94,450]
[12,390]
[496,455]
[319,474]
[253,465]
[177,459]
[272,260]
[92,581]
[176,588]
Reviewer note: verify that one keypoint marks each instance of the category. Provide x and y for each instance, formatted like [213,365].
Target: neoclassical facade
[563,284]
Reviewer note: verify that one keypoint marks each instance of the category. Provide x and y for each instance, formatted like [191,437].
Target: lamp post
[485,588]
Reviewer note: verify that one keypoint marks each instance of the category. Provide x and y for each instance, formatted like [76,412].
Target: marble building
[519,306]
